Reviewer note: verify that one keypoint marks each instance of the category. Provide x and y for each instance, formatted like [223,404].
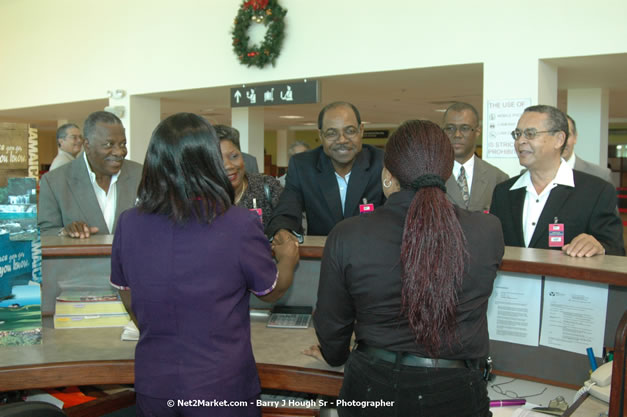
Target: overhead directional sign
[303,92]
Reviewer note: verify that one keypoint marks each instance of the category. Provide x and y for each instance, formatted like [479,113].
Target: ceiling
[384,99]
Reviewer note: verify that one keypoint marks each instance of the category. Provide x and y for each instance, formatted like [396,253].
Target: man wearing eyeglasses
[329,183]
[473,179]
[70,143]
[550,206]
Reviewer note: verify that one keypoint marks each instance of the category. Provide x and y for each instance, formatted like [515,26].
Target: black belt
[409,359]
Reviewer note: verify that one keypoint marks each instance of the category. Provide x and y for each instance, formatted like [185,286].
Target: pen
[593,362]
[507,403]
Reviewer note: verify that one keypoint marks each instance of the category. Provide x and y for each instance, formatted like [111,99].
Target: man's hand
[80,230]
[584,245]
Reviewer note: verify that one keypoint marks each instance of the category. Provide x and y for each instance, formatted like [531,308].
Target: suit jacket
[484,179]
[593,169]
[250,163]
[67,195]
[311,186]
[589,207]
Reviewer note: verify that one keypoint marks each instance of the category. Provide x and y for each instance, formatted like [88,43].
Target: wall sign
[304,92]
[502,118]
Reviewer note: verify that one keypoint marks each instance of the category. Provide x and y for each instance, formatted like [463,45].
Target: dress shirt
[534,202]
[342,184]
[469,167]
[106,200]
[571,161]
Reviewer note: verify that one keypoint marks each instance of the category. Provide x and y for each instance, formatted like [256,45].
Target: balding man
[329,183]
[70,143]
[550,204]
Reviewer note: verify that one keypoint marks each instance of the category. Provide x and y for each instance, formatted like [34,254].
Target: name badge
[259,213]
[366,208]
[556,235]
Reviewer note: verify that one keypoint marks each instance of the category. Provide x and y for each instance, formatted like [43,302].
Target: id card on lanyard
[257,210]
[556,234]
[365,207]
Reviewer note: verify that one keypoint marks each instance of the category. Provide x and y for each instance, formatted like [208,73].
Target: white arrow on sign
[237,96]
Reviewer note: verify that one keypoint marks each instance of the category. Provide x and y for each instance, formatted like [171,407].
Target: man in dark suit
[87,195]
[473,179]
[550,192]
[330,182]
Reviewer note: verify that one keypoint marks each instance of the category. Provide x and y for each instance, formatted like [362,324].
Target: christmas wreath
[272,16]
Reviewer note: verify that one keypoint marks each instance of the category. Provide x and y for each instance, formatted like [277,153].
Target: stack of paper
[81,309]
[130,332]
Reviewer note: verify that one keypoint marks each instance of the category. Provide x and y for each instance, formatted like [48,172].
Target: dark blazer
[484,179]
[250,163]
[67,195]
[311,187]
[589,207]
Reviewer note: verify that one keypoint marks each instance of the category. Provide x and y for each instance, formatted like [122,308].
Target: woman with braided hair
[412,280]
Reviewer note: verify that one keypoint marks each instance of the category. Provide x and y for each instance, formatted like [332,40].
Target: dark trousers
[157,407]
[414,391]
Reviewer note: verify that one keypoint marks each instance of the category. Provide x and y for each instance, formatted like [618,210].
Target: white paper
[502,118]
[573,316]
[514,309]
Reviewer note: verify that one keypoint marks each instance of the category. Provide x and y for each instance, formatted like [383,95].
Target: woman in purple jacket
[190,258]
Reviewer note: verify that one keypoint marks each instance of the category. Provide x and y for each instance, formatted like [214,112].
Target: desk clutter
[75,309]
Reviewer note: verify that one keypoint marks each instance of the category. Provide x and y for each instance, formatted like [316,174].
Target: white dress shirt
[342,183]
[106,200]
[469,167]
[534,202]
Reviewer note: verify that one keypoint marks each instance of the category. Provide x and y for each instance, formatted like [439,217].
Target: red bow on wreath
[256,4]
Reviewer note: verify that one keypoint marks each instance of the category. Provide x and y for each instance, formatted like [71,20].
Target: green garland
[271,15]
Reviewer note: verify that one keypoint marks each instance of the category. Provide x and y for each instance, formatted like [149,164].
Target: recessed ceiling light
[310,124]
[365,122]
[290,116]
[440,110]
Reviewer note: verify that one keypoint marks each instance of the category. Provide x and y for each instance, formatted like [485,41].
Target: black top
[360,284]
[311,187]
[589,207]
[256,190]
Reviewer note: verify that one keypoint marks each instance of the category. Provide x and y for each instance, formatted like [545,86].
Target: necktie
[463,185]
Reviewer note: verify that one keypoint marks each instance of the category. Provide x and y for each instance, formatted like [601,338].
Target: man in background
[296,147]
[574,162]
[473,179]
[70,143]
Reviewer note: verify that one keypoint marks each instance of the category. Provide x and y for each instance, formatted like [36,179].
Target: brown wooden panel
[297,379]
[61,374]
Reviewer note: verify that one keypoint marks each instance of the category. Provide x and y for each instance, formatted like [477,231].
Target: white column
[141,116]
[281,148]
[514,76]
[249,121]
[589,107]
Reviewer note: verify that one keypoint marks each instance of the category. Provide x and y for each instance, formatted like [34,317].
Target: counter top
[606,269]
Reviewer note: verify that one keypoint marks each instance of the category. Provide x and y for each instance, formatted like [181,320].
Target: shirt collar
[92,175]
[572,160]
[469,166]
[564,176]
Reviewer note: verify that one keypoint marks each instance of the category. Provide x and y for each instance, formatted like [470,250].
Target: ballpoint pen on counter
[508,403]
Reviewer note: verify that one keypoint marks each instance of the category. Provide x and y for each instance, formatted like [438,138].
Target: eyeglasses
[464,129]
[530,133]
[350,132]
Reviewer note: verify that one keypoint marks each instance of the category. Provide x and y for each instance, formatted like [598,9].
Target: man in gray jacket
[577,163]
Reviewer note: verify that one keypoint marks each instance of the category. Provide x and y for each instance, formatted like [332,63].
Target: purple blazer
[190,292]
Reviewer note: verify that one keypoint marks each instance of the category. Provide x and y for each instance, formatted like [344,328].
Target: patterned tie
[463,185]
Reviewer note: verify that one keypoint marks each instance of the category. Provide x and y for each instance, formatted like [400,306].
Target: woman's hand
[314,352]
[286,250]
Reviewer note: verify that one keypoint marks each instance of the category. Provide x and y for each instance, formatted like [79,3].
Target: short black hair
[461,106]
[183,176]
[557,119]
[229,133]
[334,105]
[98,117]
[62,131]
